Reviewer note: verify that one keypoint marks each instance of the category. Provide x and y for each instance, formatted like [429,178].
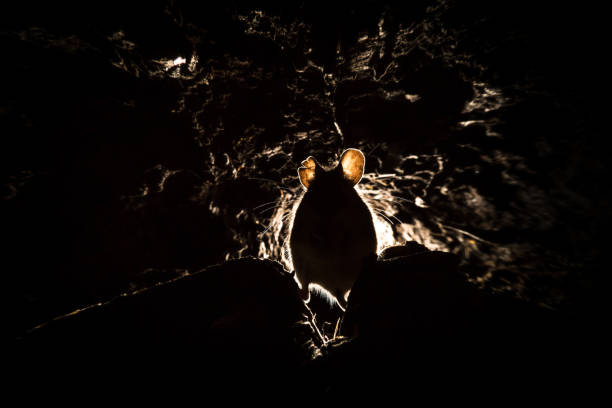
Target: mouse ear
[307,171]
[352,162]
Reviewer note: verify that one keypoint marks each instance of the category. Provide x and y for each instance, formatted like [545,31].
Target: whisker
[477,238]
[384,196]
[274,223]
[397,219]
[378,209]
[371,151]
[286,205]
[398,198]
[264,204]
[276,204]
[270,181]
[289,202]
[384,216]
[271,208]
[282,217]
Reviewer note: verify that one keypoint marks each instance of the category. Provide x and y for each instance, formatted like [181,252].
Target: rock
[411,320]
[230,317]
[414,320]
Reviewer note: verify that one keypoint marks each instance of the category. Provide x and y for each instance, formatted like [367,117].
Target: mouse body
[333,231]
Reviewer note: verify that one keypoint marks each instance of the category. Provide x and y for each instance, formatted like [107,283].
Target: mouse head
[349,169]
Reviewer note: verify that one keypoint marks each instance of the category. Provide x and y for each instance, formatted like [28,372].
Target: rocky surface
[241,310]
[411,319]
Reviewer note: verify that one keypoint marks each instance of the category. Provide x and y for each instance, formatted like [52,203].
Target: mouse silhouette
[333,231]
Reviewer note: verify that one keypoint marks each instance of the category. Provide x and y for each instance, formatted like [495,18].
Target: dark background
[119,171]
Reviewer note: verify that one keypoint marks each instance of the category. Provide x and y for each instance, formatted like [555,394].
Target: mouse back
[333,231]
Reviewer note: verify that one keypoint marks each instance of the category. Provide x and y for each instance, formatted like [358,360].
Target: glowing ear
[307,171]
[352,162]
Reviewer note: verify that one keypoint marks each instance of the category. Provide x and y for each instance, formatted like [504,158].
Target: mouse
[333,231]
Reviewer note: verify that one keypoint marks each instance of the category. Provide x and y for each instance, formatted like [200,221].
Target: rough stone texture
[245,303]
[411,318]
